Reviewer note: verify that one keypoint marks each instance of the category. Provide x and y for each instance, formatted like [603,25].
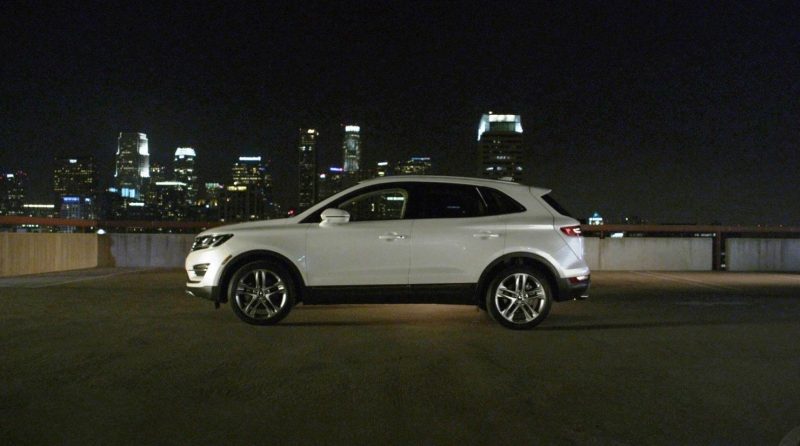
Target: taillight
[571,231]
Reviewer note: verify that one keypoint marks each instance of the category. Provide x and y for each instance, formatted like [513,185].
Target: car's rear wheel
[519,297]
[262,292]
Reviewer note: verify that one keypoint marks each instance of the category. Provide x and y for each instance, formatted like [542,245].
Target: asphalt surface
[123,357]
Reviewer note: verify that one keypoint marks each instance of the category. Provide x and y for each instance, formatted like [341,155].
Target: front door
[373,248]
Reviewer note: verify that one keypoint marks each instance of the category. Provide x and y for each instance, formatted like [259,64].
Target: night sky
[673,113]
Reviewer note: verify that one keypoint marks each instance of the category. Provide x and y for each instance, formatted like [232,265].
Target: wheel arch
[252,256]
[516,258]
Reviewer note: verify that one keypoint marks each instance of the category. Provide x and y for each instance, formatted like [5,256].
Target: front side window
[384,204]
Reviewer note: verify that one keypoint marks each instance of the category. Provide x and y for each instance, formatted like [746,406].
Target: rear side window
[555,205]
[498,203]
[441,200]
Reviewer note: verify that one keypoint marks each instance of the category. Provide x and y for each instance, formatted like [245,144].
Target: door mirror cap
[334,216]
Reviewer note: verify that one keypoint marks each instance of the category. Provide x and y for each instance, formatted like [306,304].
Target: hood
[259,224]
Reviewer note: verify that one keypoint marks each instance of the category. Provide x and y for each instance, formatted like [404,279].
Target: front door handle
[392,236]
[486,235]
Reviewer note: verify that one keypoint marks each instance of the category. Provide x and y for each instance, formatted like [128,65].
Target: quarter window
[500,203]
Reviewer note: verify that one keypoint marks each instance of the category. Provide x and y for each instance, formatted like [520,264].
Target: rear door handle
[392,236]
[486,234]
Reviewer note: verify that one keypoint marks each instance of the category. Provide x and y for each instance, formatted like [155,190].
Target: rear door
[453,235]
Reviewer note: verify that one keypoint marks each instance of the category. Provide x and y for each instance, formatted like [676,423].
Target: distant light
[311,131]
[101,231]
[185,151]
[137,204]
[39,206]
[9,175]
[383,163]
[336,169]
[393,198]
[170,183]
[617,235]
[503,118]
[71,199]
[352,128]
[73,161]
[420,158]
[249,158]
[322,176]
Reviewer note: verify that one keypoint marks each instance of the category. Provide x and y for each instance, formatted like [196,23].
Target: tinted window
[555,205]
[499,203]
[440,200]
[385,204]
[402,188]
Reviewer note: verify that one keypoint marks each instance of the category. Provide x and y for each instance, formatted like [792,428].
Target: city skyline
[680,113]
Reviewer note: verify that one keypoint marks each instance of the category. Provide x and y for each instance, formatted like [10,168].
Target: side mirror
[334,216]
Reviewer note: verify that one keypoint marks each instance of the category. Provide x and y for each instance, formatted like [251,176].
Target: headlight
[208,241]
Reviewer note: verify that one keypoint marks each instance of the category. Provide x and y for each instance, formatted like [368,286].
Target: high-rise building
[500,147]
[184,167]
[330,182]
[132,171]
[307,178]
[12,192]
[75,186]
[416,165]
[159,172]
[381,169]
[170,201]
[210,201]
[351,148]
[250,195]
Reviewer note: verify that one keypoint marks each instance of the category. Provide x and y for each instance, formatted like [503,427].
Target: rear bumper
[569,289]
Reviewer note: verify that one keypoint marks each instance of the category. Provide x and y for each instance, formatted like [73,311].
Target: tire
[512,310]
[262,292]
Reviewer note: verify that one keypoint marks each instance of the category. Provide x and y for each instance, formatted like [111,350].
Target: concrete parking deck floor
[123,357]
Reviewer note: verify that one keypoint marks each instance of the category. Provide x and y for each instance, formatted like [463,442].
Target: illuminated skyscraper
[12,192]
[184,167]
[170,202]
[132,171]
[307,178]
[500,147]
[416,165]
[250,195]
[330,182]
[351,148]
[74,176]
[75,186]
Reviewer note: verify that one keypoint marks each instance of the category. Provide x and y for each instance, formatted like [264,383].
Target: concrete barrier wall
[649,253]
[753,254]
[22,253]
[150,250]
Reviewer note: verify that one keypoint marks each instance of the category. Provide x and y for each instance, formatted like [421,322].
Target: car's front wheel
[261,293]
[519,297]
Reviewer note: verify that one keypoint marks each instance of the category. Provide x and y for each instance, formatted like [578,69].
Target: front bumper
[569,289]
[204,292]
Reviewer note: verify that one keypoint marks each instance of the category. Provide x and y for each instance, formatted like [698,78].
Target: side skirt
[458,294]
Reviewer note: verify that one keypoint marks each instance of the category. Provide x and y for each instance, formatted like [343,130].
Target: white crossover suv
[508,248]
